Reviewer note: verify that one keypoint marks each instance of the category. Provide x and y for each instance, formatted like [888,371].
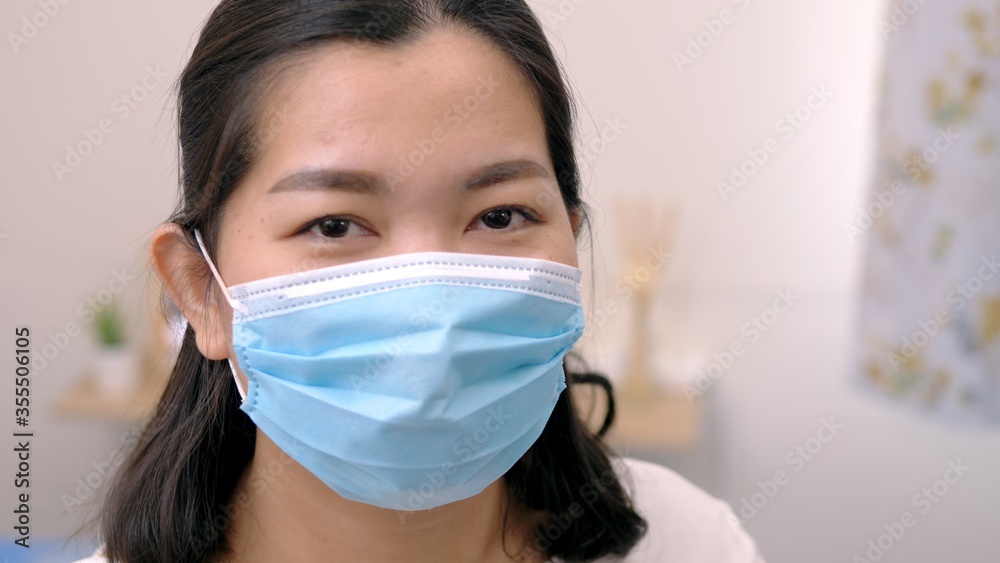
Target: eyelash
[529,216]
[306,230]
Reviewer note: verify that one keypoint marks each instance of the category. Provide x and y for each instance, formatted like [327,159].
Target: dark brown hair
[169,501]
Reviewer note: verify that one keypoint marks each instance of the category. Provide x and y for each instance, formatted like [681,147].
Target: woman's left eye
[336,227]
[504,218]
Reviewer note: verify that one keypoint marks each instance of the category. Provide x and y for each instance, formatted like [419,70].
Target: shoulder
[97,557]
[686,524]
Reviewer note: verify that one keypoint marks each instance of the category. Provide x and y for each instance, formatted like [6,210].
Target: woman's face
[368,151]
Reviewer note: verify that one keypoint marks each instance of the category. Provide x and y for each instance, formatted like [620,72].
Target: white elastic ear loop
[232,302]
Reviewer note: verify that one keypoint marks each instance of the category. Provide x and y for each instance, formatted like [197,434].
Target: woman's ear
[576,220]
[187,278]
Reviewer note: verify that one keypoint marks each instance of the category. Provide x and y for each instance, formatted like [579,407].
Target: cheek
[568,256]
[562,245]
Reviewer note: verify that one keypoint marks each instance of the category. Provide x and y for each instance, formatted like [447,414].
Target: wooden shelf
[86,399]
[657,419]
[666,422]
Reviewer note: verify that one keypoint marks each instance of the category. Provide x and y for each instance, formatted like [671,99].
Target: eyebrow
[505,172]
[366,182]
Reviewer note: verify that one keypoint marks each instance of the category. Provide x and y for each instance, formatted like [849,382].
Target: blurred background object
[930,308]
[755,122]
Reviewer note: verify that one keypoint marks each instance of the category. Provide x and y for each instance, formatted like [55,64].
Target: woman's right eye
[336,227]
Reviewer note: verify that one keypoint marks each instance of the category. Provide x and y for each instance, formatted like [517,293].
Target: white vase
[117,371]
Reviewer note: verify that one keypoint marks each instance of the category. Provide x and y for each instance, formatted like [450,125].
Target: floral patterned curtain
[930,297]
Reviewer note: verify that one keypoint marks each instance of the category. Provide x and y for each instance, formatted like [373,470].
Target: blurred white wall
[689,123]
[70,236]
[683,130]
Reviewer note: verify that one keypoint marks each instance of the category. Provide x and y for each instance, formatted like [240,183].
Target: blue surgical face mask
[411,381]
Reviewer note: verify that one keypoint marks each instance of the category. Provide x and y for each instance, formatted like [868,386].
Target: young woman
[375,251]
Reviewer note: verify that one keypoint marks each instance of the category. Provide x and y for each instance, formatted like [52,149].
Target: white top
[686,524]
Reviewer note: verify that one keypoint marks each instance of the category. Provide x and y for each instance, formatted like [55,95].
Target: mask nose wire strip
[236,305]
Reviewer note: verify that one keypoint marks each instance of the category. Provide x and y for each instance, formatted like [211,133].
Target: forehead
[446,89]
